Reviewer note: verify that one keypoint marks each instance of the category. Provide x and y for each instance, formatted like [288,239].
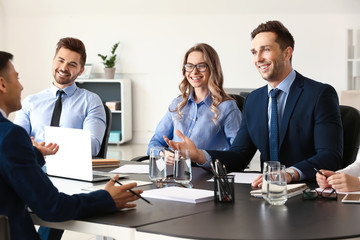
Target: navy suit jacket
[310,134]
[23,184]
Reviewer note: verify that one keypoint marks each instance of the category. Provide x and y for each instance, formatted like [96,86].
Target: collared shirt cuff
[208,160]
[302,176]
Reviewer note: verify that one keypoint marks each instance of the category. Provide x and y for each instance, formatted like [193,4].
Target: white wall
[155,34]
[2,27]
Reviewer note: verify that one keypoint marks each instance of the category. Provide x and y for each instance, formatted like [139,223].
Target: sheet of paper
[123,181]
[180,194]
[242,177]
[132,168]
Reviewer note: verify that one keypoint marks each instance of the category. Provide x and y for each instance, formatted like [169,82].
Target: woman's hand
[169,157]
[196,155]
[342,182]
[321,179]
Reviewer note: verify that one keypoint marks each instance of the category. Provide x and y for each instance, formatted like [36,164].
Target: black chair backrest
[104,145]
[350,118]
[4,228]
[239,100]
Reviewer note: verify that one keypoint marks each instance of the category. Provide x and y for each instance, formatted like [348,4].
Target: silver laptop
[73,160]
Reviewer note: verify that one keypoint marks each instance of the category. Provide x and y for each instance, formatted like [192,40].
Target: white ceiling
[181,7]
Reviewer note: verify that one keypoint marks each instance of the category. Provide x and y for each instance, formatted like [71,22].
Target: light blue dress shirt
[81,109]
[284,86]
[196,123]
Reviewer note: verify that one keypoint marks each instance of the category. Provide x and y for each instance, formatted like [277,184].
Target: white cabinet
[353,59]
[114,90]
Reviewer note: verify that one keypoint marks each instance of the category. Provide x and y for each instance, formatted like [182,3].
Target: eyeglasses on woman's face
[201,67]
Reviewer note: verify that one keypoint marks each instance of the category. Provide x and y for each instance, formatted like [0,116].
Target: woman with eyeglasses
[344,180]
[203,111]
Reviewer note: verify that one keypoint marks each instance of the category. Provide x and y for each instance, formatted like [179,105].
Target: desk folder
[97,163]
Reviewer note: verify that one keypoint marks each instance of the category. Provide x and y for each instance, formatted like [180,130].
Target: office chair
[104,145]
[4,228]
[239,100]
[350,118]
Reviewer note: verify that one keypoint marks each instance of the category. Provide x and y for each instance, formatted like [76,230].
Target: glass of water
[182,167]
[157,165]
[274,189]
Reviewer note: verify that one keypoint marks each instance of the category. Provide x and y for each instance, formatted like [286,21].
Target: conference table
[246,218]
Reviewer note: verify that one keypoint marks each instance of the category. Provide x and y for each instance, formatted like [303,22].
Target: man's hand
[257,183]
[48,149]
[121,194]
[196,155]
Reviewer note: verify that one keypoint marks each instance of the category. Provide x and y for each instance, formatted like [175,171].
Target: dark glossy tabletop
[254,218]
[246,218]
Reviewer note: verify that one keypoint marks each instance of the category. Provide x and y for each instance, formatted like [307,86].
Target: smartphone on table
[351,198]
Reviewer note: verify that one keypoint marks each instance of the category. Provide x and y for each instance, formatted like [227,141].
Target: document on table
[123,181]
[180,194]
[242,177]
[132,168]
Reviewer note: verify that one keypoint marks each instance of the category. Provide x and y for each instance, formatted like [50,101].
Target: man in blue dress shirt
[81,109]
[23,184]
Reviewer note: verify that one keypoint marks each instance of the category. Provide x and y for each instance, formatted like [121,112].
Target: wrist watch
[291,172]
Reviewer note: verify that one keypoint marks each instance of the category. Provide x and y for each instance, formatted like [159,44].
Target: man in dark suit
[308,117]
[22,182]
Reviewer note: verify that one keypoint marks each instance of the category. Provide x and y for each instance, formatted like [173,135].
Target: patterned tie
[55,119]
[274,131]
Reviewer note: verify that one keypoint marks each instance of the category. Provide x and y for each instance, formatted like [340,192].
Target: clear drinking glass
[157,165]
[182,167]
[274,183]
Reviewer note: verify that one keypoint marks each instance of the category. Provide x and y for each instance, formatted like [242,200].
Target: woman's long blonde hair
[215,83]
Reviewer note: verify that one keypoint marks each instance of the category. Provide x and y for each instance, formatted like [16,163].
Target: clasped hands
[341,182]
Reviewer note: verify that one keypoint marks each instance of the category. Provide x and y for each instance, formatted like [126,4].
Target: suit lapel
[295,92]
[263,120]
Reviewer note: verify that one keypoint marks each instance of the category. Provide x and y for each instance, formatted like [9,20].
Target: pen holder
[224,188]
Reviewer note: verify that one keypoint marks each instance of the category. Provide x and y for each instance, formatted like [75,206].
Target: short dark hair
[75,45]
[5,57]
[284,37]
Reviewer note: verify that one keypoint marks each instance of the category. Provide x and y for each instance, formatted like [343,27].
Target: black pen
[113,179]
[319,172]
[168,149]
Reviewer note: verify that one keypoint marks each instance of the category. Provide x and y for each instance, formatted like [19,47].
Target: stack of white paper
[180,194]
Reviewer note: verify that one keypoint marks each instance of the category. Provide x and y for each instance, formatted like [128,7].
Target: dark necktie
[55,119]
[274,130]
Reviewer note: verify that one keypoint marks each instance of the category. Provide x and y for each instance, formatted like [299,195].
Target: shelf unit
[110,90]
[353,59]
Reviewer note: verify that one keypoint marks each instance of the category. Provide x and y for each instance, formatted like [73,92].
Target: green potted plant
[109,62]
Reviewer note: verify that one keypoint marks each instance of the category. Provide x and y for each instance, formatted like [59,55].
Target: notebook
[73,160]
[292,190]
